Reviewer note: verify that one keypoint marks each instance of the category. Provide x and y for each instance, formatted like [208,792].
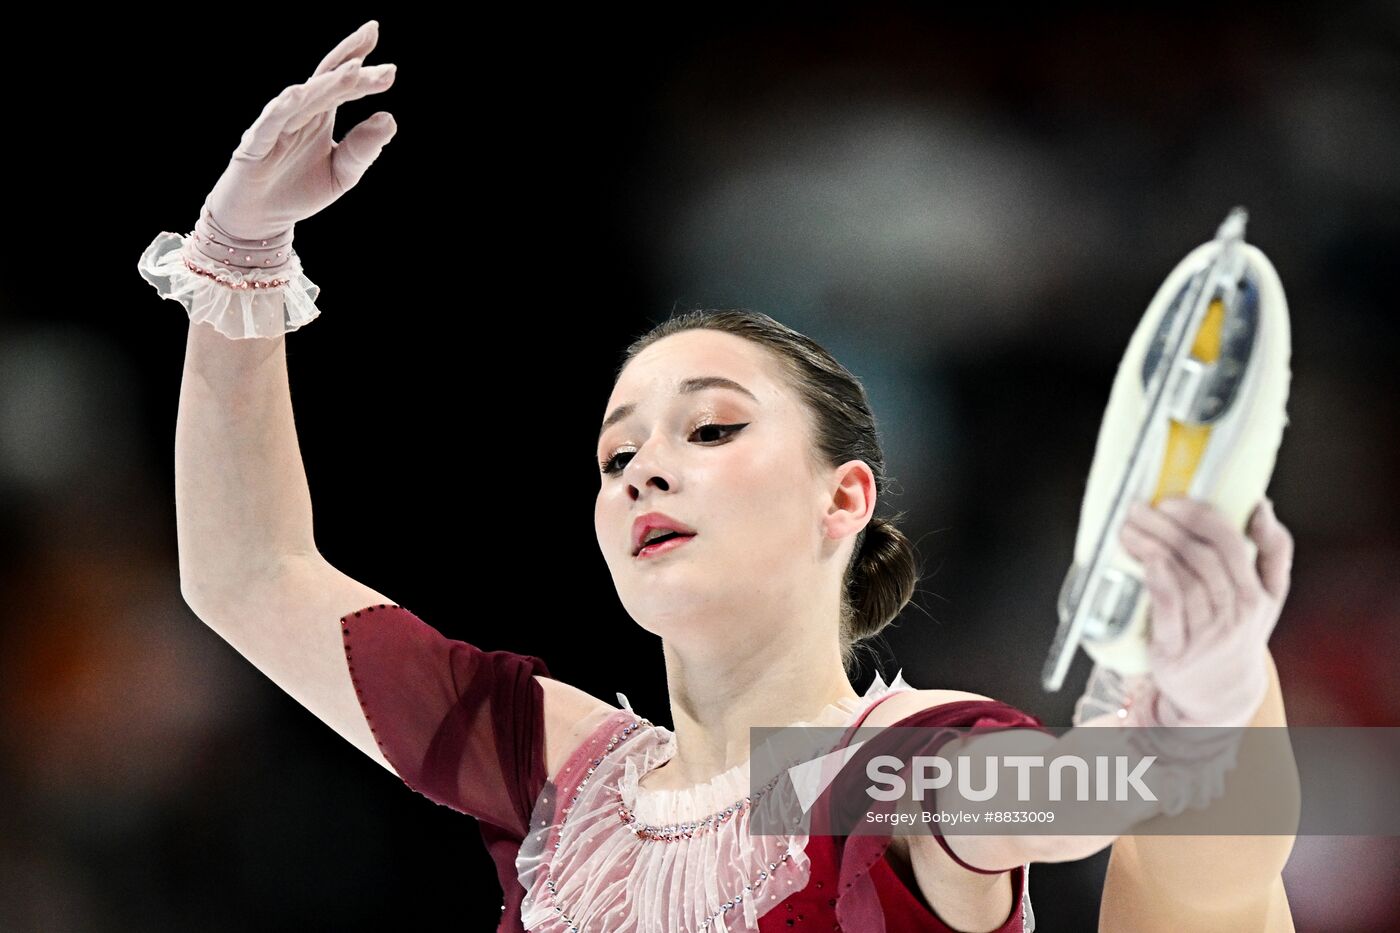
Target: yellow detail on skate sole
[1186,443]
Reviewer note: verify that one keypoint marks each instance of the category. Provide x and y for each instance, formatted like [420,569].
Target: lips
[646,524]
[661,547]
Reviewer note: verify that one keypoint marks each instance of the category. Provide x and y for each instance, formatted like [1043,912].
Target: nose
[645,469]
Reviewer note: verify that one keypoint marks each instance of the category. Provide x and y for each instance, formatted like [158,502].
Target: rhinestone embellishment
[677,831]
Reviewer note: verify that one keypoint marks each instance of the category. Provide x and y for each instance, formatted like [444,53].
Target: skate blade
[1198,410]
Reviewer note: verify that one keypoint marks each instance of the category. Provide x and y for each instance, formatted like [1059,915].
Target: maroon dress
[465,728]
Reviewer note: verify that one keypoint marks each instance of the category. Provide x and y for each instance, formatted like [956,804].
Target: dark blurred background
[970,209]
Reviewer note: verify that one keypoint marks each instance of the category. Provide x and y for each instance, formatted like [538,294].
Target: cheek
[773,503]
[601,527]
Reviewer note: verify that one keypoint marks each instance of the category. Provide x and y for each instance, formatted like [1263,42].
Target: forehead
[697,353]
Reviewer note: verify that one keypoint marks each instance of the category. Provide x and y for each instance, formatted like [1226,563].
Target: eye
[724,432]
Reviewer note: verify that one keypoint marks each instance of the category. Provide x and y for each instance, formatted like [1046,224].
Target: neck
[718,692]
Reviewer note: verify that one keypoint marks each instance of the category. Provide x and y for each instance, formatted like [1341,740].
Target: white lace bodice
[585,869]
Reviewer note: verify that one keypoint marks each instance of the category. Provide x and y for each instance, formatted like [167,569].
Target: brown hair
[881,576]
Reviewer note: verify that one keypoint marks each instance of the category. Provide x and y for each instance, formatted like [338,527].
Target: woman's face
[733,462]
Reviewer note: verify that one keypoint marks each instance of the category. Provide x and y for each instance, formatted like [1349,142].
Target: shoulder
[570,716]
[908,702]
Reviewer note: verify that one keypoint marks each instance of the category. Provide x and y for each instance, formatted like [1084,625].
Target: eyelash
[729,429]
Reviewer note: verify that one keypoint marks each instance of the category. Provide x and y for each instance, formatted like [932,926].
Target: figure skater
[739,474]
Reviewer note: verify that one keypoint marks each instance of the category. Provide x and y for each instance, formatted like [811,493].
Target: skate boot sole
[1197,409]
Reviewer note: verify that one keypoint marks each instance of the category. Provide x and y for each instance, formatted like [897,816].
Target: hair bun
[883,578]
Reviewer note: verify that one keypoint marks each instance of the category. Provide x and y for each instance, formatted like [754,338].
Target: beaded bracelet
[220,246]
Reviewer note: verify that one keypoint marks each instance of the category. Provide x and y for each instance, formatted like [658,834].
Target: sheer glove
[236,270]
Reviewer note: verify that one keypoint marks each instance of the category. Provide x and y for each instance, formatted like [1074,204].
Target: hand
[1212,610]
[287,167]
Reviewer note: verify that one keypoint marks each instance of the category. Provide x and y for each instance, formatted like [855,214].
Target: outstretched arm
[1209,882]
[1156,882]
[1213,614]
[1168,883]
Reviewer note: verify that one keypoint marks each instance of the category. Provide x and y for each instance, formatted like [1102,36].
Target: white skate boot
[1197,409]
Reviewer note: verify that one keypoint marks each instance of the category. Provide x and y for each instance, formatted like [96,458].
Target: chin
[670,612]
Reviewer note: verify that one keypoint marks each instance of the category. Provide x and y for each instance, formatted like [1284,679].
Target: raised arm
[249,568]
[249,565]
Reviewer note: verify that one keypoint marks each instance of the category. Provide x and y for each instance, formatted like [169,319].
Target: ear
[852,501]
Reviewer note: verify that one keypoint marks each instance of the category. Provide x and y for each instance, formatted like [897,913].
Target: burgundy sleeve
[461,726]
[860,904]
[976,714]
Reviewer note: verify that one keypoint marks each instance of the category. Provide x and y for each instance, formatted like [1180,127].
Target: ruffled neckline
[590,862]
[697,801]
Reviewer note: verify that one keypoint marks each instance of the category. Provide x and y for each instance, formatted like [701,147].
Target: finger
[1192,521]
[1204,565]
[1195,604]
[1167,636]
[353,83]
[1176,577]
[1275,544]
[1207,522]
[1168,581]
[356,45]
[360,147]
[296,99]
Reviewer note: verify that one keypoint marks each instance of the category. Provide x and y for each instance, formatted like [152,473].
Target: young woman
[739,474]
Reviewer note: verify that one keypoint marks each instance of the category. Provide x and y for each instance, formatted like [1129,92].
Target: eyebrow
[697,384]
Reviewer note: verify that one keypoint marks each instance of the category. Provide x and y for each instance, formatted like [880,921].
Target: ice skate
[1196,409]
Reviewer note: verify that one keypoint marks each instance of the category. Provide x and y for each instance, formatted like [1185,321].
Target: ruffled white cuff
[1191,762]
[1109,693]
[239,304]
